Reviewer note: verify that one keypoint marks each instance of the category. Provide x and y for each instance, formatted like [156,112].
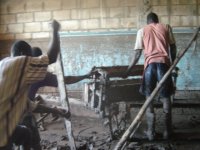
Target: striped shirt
[155,39]
[16,74]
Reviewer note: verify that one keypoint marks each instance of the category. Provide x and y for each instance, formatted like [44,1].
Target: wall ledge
[176,30]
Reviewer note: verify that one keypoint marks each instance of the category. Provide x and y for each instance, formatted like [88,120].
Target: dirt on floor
[92,133]
[89,134]
[88,129]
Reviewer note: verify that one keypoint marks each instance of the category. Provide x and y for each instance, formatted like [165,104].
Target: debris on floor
[93,133]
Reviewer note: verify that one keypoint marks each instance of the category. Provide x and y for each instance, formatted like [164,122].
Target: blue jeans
[152,75]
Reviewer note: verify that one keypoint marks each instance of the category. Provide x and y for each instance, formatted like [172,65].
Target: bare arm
[42,107]
[74,79]
[54,48]
[46,109]
[136,55]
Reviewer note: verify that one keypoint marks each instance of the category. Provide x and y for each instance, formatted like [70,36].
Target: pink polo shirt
[155,39]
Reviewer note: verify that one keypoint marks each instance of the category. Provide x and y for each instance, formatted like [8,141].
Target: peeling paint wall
[81,53]
[189,74]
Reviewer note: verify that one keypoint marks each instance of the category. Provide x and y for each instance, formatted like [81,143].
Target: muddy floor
[88,129]
[91,133]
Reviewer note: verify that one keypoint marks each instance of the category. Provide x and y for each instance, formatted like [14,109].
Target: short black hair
[152,18]
[20,48]
[36,51]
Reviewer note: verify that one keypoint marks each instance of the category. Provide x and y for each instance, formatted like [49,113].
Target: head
[36,51]
[152,18]
[20,48]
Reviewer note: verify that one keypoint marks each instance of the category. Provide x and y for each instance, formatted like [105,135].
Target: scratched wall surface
[189,65]
[81,53]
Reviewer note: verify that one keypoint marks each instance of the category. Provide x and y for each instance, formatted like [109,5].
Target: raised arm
[54,47]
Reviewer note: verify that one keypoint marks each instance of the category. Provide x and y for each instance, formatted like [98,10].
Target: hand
[66,114]
[175,72]
[92,72]
[63,112]
[55,25]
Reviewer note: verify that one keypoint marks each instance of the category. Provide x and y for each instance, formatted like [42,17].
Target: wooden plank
[64,100]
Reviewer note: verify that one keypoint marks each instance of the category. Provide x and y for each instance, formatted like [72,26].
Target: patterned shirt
[16,75]
[155,39]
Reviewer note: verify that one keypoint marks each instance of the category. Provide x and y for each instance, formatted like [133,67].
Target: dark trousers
[9,146]
[26,134]
[21,136]
[30,122]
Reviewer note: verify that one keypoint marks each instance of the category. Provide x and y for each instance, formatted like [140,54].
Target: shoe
[167,127]
[150,126]
[166,135]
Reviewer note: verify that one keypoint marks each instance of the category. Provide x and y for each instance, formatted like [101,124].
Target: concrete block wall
[21,17]
[30,19]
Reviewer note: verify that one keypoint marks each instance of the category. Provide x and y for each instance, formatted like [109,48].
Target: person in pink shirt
[159,48]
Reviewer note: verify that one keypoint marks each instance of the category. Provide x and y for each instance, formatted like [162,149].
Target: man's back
[156,43]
